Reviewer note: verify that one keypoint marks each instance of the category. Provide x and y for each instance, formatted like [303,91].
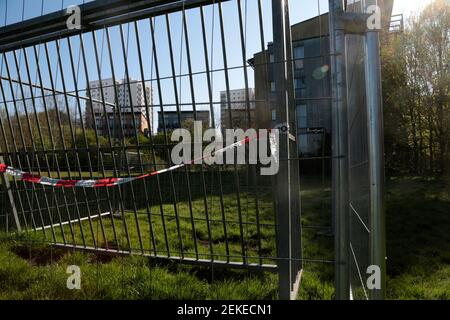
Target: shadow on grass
[418,238]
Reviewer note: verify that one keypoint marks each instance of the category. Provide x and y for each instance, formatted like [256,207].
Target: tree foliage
[416,83]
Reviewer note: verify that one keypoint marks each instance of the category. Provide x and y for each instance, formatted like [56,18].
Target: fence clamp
[283,127]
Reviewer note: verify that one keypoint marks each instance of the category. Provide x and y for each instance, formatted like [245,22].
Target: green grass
[318,277]
[128,224]
[418,249]
[206,283]
[418,238]
[133,277]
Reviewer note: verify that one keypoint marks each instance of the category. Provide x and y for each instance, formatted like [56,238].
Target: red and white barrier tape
[108,182]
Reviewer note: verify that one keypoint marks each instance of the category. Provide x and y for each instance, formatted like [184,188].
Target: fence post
[7,187]
[376,158]
[286,182]
[340,202]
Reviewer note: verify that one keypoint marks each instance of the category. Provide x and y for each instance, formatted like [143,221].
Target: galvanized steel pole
[7,188]
[287,180]
[376,158]
[340,186]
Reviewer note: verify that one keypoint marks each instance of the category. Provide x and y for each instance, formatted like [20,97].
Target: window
[274,114]
[272,86]
[300,83]
[303,143]
[302,119]
[300,87]
[271,58]
[299,53]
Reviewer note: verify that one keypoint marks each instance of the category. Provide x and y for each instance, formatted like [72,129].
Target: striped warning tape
[108,182]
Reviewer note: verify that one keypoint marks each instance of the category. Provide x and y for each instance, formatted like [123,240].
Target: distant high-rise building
[131,104]
[239,109]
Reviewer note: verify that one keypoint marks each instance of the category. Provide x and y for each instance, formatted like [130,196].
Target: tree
[416,83]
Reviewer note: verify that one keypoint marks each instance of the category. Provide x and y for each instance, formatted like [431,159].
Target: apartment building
[173,120]
[239,108]
[312,82]
[132,97]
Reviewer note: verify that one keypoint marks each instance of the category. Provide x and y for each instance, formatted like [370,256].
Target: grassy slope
[418,220]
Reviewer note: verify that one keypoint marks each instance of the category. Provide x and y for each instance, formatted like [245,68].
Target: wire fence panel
[365,158]
[359,193]
[88,130]
[98,106]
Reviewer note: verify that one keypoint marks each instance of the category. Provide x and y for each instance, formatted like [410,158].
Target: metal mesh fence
[365,165]
[102,102]
[60,120]
[359,192]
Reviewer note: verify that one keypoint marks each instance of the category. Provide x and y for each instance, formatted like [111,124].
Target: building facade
[312,81]
[239,109]
[131,101]
[310,44]
[173,120]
